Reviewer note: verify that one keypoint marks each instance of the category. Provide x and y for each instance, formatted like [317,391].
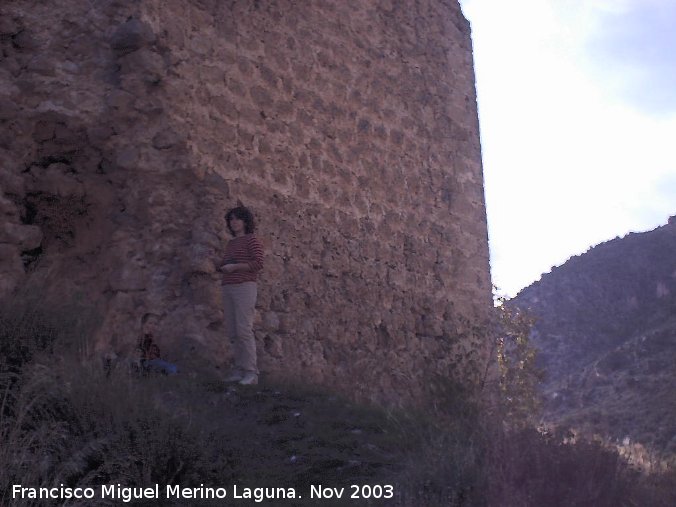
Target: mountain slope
[606,335]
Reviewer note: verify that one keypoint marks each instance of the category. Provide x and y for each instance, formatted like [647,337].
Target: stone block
[132,35]
[11,184]
[147,64]
[127,157]
[26,40]
[7,208]
[165,139]
[26,237]
[8,108]
[271,321]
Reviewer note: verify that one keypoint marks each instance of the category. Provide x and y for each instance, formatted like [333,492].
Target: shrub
[63,421]
[67,424]
[520,402]
[30,324]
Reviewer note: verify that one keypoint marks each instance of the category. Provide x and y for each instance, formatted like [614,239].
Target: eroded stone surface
[128,129]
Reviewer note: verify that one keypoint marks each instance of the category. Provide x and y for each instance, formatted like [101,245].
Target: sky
[577,110]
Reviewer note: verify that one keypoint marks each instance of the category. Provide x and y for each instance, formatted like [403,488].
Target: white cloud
[632,51]
[568,163]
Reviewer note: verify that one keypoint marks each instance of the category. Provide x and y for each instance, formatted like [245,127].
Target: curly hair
[245,215]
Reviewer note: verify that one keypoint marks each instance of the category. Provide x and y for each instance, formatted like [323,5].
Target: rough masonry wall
[350,128]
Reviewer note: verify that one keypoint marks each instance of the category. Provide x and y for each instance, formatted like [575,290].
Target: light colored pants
[239,304]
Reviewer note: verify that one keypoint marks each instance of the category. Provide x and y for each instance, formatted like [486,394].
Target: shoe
[234,377]
[249,379]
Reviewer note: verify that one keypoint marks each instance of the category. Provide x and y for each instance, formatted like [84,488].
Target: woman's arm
[256,250]
[254,253]
[240,266]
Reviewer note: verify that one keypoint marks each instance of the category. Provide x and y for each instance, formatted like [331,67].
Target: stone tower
[128,128]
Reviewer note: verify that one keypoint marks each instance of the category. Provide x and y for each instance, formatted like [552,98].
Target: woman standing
[242,262]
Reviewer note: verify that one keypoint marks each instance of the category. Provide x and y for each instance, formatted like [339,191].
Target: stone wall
[127,129]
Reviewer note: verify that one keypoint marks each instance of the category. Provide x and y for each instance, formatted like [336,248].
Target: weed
[63,421]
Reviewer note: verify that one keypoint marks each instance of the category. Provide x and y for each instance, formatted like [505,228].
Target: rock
[8,208]
[11,184]
[9,26]
[27,237]
[127,157]
[144,63]
[10,258]
[132,35]
[11,268]
[97,134]
[44,131]
[165,139]
[26,41]
[119,99]
[41,65]
[56,180]
[8,108]
[271,321]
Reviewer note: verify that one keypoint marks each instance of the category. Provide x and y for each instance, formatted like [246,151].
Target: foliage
[519,376]
[29,325]
[606,334]
[62,421]
[23,331]
[530,467]
[446,463]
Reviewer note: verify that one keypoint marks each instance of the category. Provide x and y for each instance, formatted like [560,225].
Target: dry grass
[62,421]
[529,467]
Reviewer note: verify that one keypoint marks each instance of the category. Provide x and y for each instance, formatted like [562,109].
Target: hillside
[89,425]
[606,337]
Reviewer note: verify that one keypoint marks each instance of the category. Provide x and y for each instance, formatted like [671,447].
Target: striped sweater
[243,249]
